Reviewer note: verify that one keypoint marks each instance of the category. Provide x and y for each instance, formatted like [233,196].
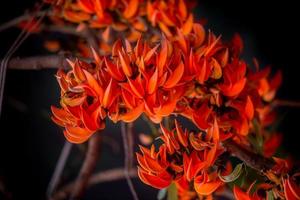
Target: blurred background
[30,143]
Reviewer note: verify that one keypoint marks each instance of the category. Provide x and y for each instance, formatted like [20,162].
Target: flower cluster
[182,71]
[184,157]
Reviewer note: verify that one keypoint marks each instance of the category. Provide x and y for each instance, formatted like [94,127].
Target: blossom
[184,157]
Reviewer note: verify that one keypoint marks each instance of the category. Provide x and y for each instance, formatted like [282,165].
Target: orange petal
[133,114]
[181,136]
[153,165]
[150,53]
[60,114]
[113,70]
[93,83]
[165,29]
[163,55]
[239,194]
[107,95]
[154,181]
[152,84]
[200,34]
[74,139]
[206,188]
[86,5]
[294,189]
[249,108]
[235,89]
[175,77]
[188,25]
[182,9]
[131,9]
[136,88]
[75,17]
[99,9]
[90,122]
[125,65]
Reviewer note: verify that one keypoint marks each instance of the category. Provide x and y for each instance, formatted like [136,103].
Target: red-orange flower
[184,158]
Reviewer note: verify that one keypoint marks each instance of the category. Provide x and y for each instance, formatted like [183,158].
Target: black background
[30,143]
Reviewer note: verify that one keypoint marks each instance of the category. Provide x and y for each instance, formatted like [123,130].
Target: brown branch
[17,20]
[65,152]
[42,62]
[251,159]
[286,103]
[127,159]
[87,167]
[100,177]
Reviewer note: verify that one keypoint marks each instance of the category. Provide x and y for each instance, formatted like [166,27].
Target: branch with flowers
[152,57]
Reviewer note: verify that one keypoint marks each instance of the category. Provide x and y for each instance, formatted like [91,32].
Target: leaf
[235,174]
[270,195]
[161,194]
[172,192]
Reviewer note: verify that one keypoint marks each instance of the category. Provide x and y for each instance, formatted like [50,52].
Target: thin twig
[100,177]
[42,62]
[251,159]
[17,43]
[126,160]
[87,167]
[286,103]
[65,152]
[17,20]
[130,137]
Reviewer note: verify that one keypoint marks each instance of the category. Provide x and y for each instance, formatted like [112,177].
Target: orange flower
[183,157]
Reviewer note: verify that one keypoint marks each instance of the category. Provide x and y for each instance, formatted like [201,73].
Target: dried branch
[100,177]
[87,167]
[59,168]
[251,159]
[42,62]
[127,159]
[286,103]
[17,20]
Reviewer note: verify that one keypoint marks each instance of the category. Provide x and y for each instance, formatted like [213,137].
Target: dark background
[30,143]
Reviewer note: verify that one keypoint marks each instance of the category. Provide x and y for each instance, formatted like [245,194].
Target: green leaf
[235,174]
[161,194]
[172,192]
[270,195]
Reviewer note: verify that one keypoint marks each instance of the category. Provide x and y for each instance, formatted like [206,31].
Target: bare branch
[251,159]
[59,168]
[17,20]
[42,62]
[286,103]
[100,177]
[87,167]
[127,160]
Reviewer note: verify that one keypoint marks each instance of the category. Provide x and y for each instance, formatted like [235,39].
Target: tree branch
[17,20]
[42,62]
[286,103]
[128,158]
[59,168]
[251,159]
[87,167]
[100,177]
